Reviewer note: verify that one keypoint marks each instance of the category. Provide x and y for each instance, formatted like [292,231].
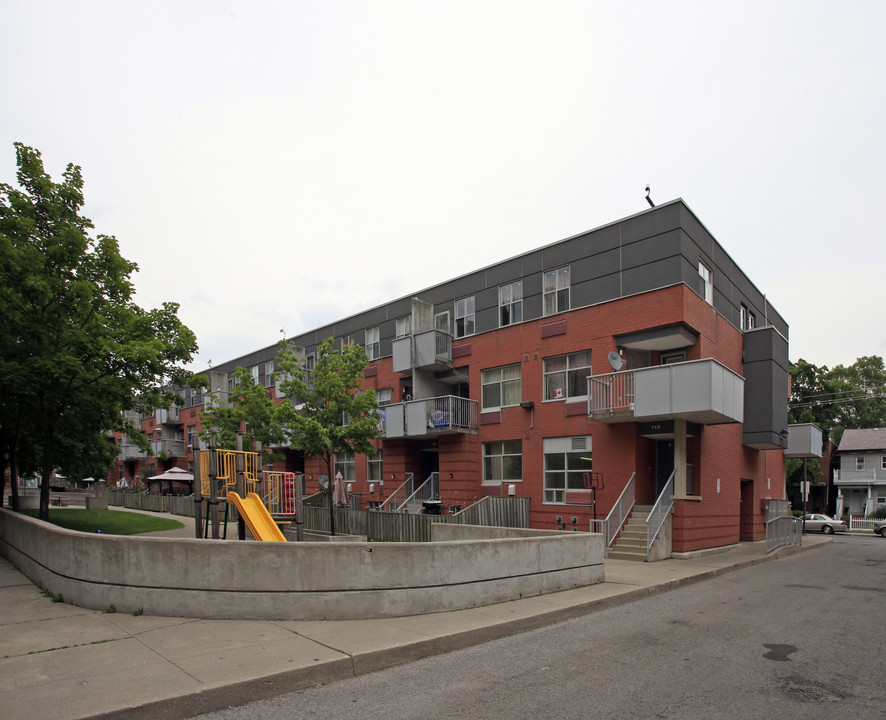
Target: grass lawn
[110,522]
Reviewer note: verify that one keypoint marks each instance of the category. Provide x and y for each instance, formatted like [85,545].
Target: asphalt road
[797,637]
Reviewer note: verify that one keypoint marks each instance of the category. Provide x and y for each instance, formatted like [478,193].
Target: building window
[372,346]
[707,282]
[464,317]
[374,468]
[567,461]
[310,361]
[859,463]
[556,291]
[510,303]
[566,376]
[192,436]
[883,462]
[441,322]
[403,326]
[269,374]
[502,462]
[383,395]
[746,318]
[347,341]
[344,464]
[501,387]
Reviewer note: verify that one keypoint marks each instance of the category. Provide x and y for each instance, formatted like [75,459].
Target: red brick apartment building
[638,349]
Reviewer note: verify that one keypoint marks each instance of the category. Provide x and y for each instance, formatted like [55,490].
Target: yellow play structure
[222,474]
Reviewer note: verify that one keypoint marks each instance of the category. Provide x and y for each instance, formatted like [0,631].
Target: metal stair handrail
[395,500]
[660,511]
[428,490]
[618,515]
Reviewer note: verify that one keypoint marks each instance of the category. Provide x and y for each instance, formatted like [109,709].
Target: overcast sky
[274,166]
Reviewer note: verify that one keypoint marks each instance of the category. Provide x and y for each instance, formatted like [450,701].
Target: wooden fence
[375,525]
[175,504]
[510,512]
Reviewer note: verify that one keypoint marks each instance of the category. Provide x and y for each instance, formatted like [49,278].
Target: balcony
[131,451]
[444,415]
[430,349]
[167,416]
[699,391]
[860,477]
[170,447]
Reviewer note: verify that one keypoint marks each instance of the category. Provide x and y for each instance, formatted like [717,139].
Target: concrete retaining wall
[295,581]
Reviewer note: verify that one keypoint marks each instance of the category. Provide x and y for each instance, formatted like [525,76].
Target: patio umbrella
[174,474]
[339,491]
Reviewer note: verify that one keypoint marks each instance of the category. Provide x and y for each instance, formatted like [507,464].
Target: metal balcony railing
[171,447]
[702,391]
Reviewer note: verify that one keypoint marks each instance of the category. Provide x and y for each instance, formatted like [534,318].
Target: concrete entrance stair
[631,543]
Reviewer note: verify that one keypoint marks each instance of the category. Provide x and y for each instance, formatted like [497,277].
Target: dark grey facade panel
[649,224]
[532,262]
[653,275]
[594,266]
[506,272]
[595,291]
[532,306]
[486,320]
[651,249]
[485,299]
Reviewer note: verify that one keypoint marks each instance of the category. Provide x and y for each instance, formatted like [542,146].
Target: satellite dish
[616,360]
[323,482]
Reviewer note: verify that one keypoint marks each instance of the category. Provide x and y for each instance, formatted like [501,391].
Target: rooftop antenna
[649,199]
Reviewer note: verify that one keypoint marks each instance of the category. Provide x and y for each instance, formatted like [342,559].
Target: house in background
[634,358]
[861,475]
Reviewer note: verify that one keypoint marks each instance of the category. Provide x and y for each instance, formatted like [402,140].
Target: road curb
[214,699]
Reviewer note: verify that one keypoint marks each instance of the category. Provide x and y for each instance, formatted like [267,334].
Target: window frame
[496,462]
[465,320]
[572,470]
[707,281]
[375,465]
[372,345]
[557,299]
[346,463]
[513,305]
[487,380]
[440,325]
[548,374]
[403,326]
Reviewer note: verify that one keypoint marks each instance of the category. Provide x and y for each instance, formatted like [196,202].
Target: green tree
[75,349]
[249,407]
[326,413]
[836,399]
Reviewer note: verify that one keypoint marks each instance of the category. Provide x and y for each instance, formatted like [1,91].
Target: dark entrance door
[664,463]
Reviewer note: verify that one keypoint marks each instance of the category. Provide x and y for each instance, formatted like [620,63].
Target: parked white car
[815,522]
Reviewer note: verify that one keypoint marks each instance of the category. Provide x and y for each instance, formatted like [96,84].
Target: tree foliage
[845,397]
[75,349]
[248,408]
[326,414]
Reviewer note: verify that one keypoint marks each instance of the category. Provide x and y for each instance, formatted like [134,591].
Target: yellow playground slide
[256,517]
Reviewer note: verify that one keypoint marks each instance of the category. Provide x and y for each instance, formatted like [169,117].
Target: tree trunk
[13,478]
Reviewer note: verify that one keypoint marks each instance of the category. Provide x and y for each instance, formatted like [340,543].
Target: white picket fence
[858,522]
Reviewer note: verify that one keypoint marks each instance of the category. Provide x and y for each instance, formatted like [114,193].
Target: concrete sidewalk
[63,662]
